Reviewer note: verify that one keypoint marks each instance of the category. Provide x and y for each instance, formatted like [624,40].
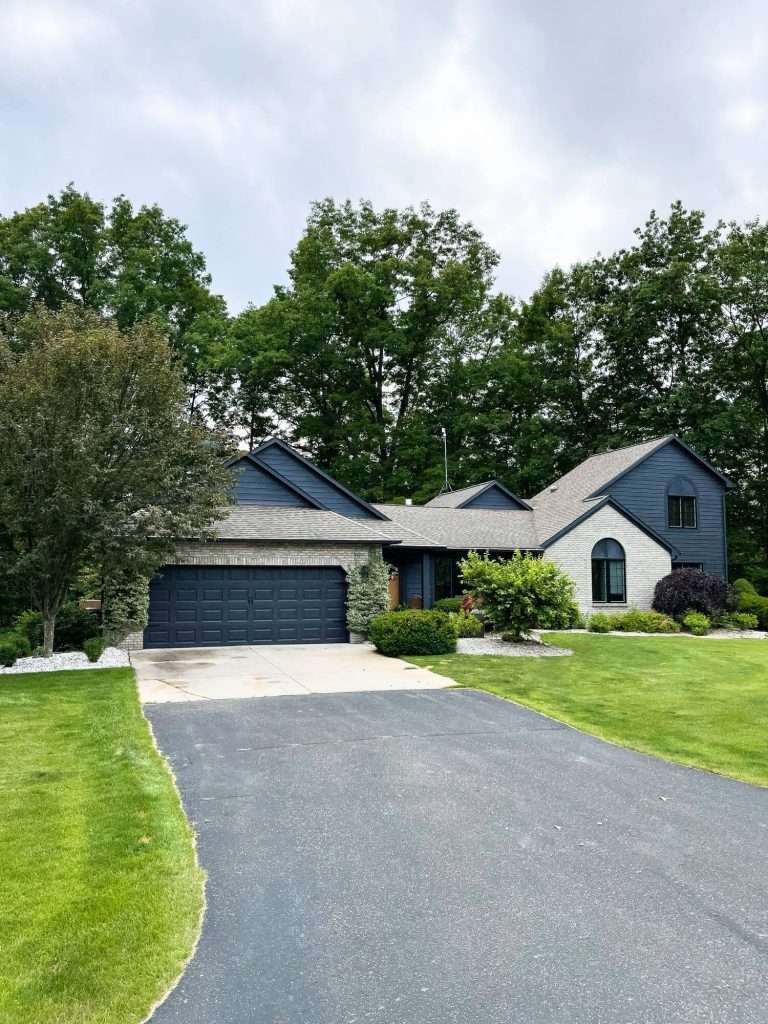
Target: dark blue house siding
[294,470]
[254,486]
[643,491]
[494,497]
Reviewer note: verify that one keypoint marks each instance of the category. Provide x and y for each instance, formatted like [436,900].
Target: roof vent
[409,501]
[553,488]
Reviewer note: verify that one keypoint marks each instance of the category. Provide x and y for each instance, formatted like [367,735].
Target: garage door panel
[219,605]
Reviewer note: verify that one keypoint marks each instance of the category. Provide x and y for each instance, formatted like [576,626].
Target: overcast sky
[554,126]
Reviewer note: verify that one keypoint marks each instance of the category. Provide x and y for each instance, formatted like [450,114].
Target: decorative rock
[65,660]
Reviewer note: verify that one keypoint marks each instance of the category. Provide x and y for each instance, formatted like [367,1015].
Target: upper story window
[609,585]
[682,513]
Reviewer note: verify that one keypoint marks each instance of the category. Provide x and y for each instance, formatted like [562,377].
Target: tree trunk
[49,624]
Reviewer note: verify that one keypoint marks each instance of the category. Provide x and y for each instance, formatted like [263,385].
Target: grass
[101,891]
[699,702]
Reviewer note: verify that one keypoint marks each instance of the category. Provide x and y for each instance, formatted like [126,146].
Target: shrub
[696,623]
[368,593]
[600,622]
[7,653]
[126,605]
[449,604]
[466,625]
[412,632]
[94,648]
[521,593]
[692,590]
[637,621]
[73,627]
[748,600]
[736,620]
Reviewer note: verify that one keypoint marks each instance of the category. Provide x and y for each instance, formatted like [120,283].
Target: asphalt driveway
[446,857]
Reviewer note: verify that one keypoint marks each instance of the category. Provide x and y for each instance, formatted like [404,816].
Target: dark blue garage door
[210,606]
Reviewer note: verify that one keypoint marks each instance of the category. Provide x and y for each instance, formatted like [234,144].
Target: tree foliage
[99,464]
[380,306]
[126,264]
[367,592]
[521,593]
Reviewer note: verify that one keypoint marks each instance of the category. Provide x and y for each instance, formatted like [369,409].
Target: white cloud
[39,37]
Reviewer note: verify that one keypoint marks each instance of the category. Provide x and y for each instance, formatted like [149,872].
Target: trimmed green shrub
[736,620]
[466,625]
[750,601]
[521,593]
[7,653]
[367,593]
[637,621]
[449,604]
[600,622]
[696,623]
[126,605]
[412,632]
[634,620]
[687,590]
[73,627]
[94,648]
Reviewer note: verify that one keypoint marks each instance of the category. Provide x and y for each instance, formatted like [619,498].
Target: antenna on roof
[446,488]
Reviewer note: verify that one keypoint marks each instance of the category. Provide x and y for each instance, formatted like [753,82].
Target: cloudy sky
[554,126]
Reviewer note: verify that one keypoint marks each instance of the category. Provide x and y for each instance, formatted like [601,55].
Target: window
[608,575]
[681,511]
[687,565]
[446,578]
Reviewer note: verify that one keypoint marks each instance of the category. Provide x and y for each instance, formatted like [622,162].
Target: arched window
[681,504]
[608,575]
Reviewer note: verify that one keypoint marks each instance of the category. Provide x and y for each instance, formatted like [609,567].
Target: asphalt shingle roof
[463,528]
[452,499]
[569,497]
[254,522]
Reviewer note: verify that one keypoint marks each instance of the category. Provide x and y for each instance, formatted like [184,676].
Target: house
[276,571]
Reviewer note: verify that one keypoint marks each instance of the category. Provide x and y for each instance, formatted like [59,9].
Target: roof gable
[490,494]
[255,484]
[663,442]
[588,508]
[311,481]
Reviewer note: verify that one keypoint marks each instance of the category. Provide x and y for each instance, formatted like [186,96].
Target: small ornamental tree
[692,590]
[367,593]
[520,593]
[99,464]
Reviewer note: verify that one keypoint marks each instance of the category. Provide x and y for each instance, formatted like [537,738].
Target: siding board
[643,491]
[297,472]
[253,486]
[494,497]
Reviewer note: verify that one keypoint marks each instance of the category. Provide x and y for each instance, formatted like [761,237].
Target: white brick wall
[254,553]
[646,562]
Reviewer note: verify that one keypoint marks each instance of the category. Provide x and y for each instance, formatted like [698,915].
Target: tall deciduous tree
[378,303]
[99,464]
[127,264]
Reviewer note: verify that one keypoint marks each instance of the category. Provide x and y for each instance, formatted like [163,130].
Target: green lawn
[699,702]
[100,889]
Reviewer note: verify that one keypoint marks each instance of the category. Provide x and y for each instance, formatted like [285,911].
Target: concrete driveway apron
[221,673]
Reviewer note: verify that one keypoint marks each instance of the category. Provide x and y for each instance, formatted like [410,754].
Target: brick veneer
[646,561]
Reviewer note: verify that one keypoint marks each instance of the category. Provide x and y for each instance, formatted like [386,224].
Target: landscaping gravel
[112,657]
[493,645]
